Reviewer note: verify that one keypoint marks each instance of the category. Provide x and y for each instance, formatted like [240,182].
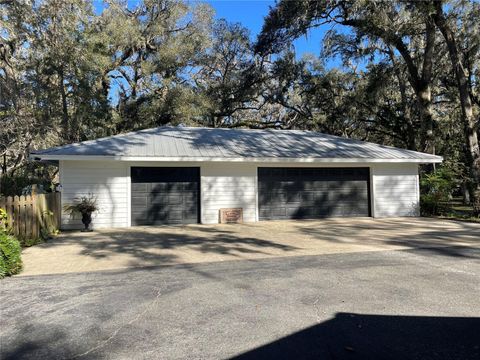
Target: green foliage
[83,205]
[10,259]
[30,242]
[436,191]
[13,183]
[4,221]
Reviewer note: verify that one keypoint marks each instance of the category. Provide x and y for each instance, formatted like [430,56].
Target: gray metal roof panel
[232,143]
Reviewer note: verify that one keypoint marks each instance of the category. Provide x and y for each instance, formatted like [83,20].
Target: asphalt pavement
[409,304]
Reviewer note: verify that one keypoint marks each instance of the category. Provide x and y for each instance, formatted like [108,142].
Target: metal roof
[190,143]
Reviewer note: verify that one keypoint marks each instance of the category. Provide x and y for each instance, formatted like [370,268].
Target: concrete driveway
[173,245]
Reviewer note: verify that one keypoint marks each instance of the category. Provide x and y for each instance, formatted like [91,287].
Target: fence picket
[9,208]
[29,218]
[58,209]
[16,214]
[29,214]
[36,216]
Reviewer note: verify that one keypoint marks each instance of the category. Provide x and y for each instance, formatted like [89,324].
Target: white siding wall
[228,185]
[106,180]
[395,190]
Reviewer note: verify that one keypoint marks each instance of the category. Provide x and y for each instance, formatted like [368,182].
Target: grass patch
[460,218]
[460,211]
[31,242]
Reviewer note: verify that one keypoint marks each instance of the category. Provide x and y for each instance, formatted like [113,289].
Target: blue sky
[250,13]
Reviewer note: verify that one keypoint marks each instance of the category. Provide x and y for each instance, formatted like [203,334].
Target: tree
[61,66]
[152,49]
[230,77]
[465,94]
[391,28]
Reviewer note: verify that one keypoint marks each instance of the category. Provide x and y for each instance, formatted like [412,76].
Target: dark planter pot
[86,220]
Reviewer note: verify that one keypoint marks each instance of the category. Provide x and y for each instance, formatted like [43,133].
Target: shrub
[4,221]
[436,190]
[10,260]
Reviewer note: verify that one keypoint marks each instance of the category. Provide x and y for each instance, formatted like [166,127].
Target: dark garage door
[308,193]
[165,195]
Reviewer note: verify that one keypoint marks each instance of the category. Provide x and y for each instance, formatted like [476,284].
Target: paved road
[379,305]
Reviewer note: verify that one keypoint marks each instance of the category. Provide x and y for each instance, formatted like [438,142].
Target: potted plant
[85,206]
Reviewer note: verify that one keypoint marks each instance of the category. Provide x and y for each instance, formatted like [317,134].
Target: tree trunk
[65,119]
[421,83]
[465,102]
[424,95]
[4,164]
[465,193]
[410,133]
[424,89]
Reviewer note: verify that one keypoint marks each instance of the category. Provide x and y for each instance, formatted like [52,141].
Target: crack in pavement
[317,310]
[114,334]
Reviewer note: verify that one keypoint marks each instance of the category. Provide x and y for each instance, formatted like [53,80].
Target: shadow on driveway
[358,336]
[150,245]
[448,238]
[171,245]
[346,336]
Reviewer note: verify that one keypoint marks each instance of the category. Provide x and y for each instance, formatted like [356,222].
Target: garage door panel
[158,187]
[190,187]
[139,201]
[166,199]
[191,215]
[164,216]
[292,197]
[322,196]
[278,211]
[167,187]
[139,187]
[291,212]
[137,216]
[313,192]
[324,212]
[165,195]
[157,199]
[173,214]
[190,197]
[318,185]
[264,213]
[303,212]
[346,196]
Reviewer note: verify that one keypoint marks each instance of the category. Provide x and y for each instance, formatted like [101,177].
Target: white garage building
[171,175]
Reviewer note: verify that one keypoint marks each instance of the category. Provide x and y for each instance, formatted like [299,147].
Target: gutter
[46,157]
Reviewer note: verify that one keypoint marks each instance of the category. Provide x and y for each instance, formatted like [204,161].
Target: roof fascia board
[37,157]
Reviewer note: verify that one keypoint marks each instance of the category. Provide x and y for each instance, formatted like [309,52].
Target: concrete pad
[171,245]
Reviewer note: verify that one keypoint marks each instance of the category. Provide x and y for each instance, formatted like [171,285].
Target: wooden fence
[33,216]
